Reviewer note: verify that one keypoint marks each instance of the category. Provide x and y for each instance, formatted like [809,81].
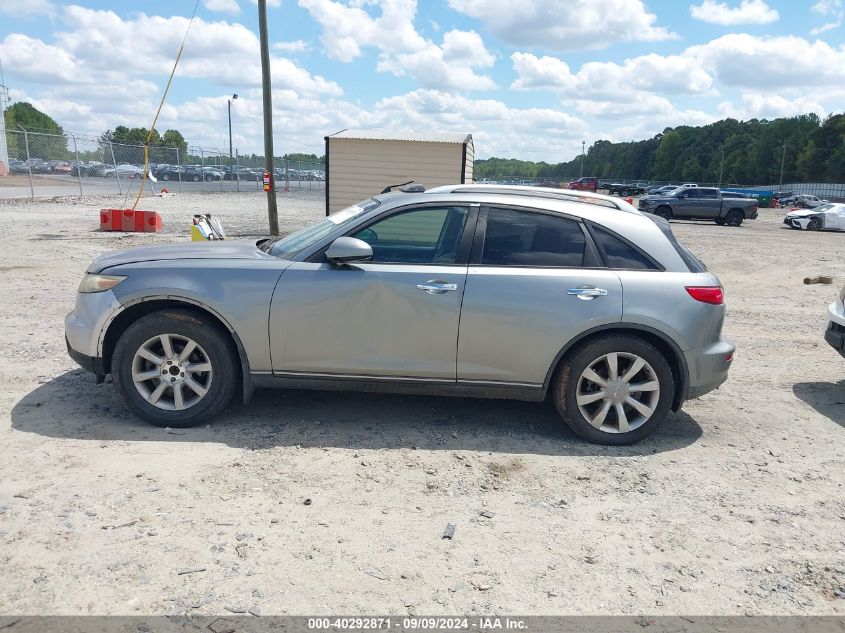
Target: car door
[708,204]
[533,284]
[393,317]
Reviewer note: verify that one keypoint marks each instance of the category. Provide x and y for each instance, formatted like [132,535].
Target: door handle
[434,287]
[587,294]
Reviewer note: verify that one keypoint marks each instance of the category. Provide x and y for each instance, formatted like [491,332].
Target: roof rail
[571,195]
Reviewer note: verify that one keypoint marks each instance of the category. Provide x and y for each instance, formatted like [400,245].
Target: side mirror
[348,249]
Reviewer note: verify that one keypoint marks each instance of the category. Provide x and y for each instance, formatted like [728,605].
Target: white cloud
[764,105]
[748,12]
[349,28]
[746,61]
[565,24]
[296,46]
[832,8]
[27,8]
[224,6]
[541,73]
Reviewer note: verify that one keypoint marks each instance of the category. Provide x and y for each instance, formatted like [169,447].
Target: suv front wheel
[614,390]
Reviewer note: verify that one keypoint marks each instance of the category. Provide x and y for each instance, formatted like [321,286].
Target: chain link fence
[34,164]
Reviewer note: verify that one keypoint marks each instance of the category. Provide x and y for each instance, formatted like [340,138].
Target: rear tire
[663,212]
[147,374]
[734,217]
[577,400]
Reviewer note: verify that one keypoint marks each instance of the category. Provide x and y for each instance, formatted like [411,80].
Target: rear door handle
[587,294]
[435,287]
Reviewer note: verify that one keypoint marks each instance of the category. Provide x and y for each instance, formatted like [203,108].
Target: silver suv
[480,291]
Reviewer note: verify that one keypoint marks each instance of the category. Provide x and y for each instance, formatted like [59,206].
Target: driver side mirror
[348,249]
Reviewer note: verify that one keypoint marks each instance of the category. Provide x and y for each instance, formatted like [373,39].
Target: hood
[801,213]
[221,249]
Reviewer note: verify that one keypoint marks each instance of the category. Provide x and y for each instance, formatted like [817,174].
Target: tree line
[728,151]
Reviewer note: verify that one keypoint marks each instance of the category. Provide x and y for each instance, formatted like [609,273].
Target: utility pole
[721,167]
[782,161]
[229,105]
[583,145]
[272,210]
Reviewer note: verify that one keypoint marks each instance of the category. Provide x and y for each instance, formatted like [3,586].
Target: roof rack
[584,197]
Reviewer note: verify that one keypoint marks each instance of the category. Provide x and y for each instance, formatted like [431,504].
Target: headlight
[99,283]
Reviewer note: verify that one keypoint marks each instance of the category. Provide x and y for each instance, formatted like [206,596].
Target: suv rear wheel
[663,212]
[174,368]
[614,390]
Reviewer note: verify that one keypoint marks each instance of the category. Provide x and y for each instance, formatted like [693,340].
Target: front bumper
[708,367]
[835,332]
[754,214]
[85,327]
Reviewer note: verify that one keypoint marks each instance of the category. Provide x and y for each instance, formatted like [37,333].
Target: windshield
[288,246]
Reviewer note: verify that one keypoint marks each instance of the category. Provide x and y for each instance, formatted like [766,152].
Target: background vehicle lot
[733,506]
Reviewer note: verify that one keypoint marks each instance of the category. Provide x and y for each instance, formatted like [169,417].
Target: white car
[835,332]
[124,170]
[827,216]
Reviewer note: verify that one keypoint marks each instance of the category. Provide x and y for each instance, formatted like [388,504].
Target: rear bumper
[708,367]
[754,214]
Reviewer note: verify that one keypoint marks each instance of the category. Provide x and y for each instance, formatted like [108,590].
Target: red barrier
[129,220]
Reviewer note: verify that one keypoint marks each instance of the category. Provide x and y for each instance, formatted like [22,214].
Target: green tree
[47,140]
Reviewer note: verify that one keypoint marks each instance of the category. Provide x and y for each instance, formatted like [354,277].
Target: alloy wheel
[172,372]
[618,392]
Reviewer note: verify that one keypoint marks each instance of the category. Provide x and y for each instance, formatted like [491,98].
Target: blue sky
[528,79]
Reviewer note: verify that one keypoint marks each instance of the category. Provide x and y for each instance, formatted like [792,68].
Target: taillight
[707,294]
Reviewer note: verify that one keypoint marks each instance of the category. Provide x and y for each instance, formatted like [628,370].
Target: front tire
[663,212]
[175,368]
[815,224]
[614,391]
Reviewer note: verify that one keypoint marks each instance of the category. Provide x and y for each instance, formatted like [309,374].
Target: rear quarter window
[619,254]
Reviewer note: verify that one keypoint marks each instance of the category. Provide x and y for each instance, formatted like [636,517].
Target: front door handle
[435,287]
[587,294]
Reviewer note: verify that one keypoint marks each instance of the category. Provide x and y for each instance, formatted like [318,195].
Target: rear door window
[526,238]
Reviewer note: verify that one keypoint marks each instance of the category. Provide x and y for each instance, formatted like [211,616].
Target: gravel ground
[735,506]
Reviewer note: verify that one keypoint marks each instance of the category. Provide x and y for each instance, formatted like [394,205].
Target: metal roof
[387,135]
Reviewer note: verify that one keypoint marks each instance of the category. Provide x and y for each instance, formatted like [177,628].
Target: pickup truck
[587,183]
[627,189]
[701,203]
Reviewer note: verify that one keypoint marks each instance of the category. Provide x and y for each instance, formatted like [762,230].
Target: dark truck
[701,203]
[627,188]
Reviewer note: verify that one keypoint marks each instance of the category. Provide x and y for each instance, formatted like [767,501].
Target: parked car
[658,190]
[783,195]
[835,332]
[240,172]
[701,203]
[587,183]
[617,328]
[59,167]
[802,200]
[38,166]
[827,216]
[17,166]
[123,170]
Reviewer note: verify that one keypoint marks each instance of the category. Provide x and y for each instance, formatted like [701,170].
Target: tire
[570,382]
[213,353]
[734,217]
[815,224]
[196,178]
[663,212]
[166,177]
[720,221]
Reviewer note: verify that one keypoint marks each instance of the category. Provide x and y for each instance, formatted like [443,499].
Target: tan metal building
[361,163]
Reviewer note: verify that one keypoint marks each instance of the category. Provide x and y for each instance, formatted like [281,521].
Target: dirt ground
[735,506]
